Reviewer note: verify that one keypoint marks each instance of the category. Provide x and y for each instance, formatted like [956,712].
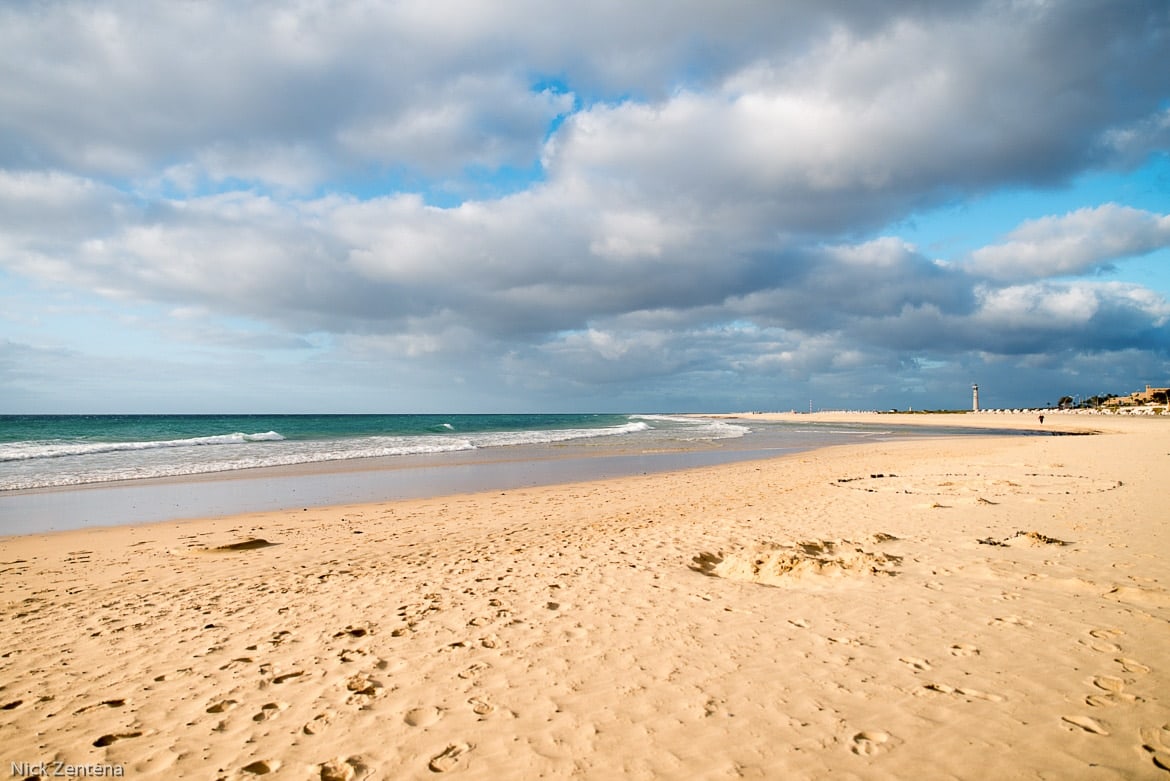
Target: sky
[520,206]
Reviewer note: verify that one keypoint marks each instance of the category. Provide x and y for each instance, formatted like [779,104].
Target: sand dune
[975,608]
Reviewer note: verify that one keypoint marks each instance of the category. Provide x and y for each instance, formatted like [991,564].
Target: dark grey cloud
[857,131]
[124,88]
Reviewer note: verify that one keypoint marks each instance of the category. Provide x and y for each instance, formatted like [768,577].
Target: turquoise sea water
[39,451]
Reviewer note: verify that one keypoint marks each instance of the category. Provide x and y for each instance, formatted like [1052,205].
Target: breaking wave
[24,451]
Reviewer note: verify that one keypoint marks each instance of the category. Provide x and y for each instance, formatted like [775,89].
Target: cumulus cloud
[1085,240]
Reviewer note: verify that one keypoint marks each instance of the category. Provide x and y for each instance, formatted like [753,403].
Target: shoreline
[1054,422]
[816,614]
[325,483]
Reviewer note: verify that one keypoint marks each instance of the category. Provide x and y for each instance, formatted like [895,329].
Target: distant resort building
[1150,396]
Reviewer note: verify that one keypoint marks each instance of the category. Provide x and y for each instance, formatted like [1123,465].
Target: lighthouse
[974,398]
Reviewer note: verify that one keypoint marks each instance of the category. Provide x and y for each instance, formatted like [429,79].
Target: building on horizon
[1150,395]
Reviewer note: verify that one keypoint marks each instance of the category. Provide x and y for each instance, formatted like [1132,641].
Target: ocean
[45,451]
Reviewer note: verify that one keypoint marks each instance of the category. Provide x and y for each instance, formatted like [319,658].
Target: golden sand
[967,608]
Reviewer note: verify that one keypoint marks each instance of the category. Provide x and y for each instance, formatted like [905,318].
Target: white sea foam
[699,428]
[548,436]
[99,466]
[64,463]
[23,451]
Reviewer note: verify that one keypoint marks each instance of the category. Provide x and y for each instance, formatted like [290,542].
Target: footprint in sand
[422,717]
[449,758]
[868,743]
[480,707]
[1109,683]
[1105,634]
[318,724]
[237,662]
[978,695]
[1111,699]
[269,711]
[1102,646]
[352,655]
[474,670]
[363,699]
[915,662]
[1142,597]
[108,703]
[1011,620]
[262,767]
[362,685]
[1115,692]
[222,706]
[715,707]
[1131,666]
[1086,723]
[349,769]
[1102,641]
[1156,742]
[964,649]
[106,740]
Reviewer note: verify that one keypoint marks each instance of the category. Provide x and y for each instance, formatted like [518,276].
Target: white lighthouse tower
[974,398]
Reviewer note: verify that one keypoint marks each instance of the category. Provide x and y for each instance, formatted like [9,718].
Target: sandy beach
[967,608]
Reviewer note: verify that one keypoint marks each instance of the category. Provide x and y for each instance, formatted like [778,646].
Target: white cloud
[1040,307]
[470,121]
[627,234]
[1132,144]
[1074,243]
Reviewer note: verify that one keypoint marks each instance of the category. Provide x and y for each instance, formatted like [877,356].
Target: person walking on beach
[1041,420]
